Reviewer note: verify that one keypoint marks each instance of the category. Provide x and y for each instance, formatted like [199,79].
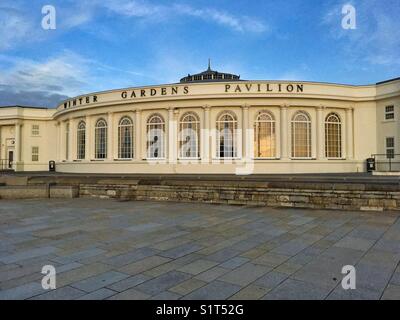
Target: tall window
[226,136]
[101,139]
[301,135]
[390,148]
[155,137]
[67,141]
[189,136]
[35,154]
[125,138]
[81,140]
[264,136]
[333,136]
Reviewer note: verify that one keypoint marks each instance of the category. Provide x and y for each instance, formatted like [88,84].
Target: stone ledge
[64,192]
[24,192]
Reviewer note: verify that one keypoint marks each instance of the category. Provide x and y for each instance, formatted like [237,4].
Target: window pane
[189,137]
[81,141]
[125,139]
[264,137]
[301,136]
[227,131]
[101,140]
[333,137]
[155,137]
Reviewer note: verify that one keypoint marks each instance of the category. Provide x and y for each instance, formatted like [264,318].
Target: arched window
[333,136]
[155,137]
[101,139]
[264,136]
[125,138]
[226,136]
[301,135]
[81,140]
[189,133]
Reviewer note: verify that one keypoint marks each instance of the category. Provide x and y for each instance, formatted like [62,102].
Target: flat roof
[24,107]
[390,80]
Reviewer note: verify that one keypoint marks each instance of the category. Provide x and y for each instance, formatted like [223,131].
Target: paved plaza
[107,249]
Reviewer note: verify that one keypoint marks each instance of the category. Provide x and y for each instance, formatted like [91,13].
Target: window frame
[273,136]
[389,114]
[35,130]
[35,154]
[149,125]
[308,128]
[235,142]
[124,154]
[98,146]
[81,140]
[388,148]
[181,141]
[328,126]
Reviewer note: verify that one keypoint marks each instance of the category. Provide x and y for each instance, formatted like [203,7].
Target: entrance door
[10,159]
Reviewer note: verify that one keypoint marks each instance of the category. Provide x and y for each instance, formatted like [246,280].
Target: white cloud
[47,82]
[19,25]
[236,23]
[155,12]
[64,74]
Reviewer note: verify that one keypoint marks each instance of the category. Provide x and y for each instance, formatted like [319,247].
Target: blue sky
[106,44]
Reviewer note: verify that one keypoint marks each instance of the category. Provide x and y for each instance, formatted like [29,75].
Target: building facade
[209,123]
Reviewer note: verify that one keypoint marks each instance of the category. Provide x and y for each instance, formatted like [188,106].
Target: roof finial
[209,64]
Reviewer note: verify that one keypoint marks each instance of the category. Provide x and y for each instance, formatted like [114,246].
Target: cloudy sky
[106,44]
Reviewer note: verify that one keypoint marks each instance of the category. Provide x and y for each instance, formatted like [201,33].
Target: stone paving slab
[163,282]
[64,293]
[99,281]
[105,249]
[216,290]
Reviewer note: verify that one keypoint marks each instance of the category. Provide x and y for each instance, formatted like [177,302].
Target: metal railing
[387,162]
[6,164]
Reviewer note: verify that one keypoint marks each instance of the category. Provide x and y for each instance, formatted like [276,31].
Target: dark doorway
[10,159]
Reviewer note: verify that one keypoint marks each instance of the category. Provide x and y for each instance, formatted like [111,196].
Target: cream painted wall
[360,108]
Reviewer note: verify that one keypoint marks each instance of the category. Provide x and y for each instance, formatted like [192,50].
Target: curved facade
[218,127]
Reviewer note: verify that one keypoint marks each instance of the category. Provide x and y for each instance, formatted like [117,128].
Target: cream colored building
[208,123]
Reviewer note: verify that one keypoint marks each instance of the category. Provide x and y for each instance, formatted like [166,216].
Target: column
[205,136]
[284,133]
[349,133]
[110,136]
[246,143]
[61,143]
[138,135]
[320,133]
[71,139]
[1,149]
[58,151]
[89,143]
[17,144]
[171,138]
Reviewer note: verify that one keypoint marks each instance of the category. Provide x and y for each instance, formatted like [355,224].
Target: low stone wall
[377,196]
[63,192]
[265,195]
[315,196]
[38,192]
[23,192]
